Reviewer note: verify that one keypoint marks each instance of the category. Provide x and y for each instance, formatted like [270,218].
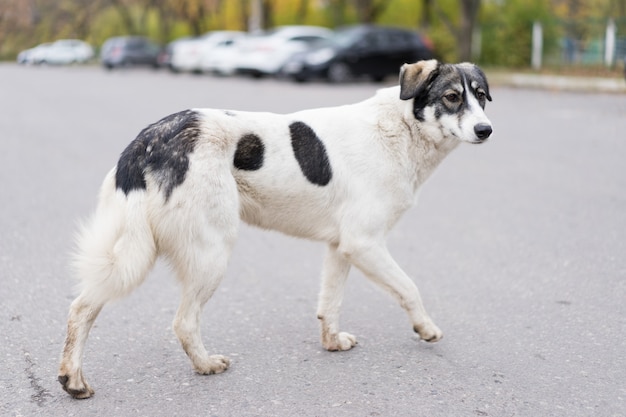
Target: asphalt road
[518,246]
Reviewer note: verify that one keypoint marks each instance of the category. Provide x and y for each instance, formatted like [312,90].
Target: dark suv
[361,50]
[129,50]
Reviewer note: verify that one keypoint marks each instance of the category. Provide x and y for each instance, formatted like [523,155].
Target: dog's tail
[115,248]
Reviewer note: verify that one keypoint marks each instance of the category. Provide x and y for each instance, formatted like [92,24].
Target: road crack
[40,394]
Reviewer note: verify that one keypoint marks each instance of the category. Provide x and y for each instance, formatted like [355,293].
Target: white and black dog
[340,175]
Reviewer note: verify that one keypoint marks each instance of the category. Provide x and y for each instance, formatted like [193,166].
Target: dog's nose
[483,130]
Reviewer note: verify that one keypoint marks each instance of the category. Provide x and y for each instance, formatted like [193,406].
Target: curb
[559,82]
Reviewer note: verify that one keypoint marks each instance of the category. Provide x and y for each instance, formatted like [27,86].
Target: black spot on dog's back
[310,154]
[250,153]
[161,149]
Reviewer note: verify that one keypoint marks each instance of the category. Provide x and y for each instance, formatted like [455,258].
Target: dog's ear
[414,78]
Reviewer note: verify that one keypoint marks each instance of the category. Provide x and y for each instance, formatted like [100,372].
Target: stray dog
[340,175]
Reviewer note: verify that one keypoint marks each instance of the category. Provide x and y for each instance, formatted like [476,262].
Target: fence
[579,43]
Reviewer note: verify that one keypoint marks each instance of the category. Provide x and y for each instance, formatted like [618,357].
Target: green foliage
[507,31]
[403,13]
[106,25]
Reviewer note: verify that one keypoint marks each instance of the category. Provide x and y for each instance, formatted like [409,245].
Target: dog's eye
[481,95]
[452,97]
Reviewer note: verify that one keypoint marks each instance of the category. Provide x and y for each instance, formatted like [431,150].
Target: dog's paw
[214,364]
[428,332]
[76,386]
[340,341]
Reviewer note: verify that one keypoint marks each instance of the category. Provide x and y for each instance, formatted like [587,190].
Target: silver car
[61,52]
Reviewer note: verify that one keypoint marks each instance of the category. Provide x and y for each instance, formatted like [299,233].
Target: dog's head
[449,97]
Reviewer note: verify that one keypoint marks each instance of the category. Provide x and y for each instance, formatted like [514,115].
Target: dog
[341,175]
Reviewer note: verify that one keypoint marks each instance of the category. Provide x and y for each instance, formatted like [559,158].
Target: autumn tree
[368,11]
[463,31]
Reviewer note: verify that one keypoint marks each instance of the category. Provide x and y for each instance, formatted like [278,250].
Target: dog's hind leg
[81,317]
[116,250]
[374,260]
[207,231]
[334,275]
[200,275]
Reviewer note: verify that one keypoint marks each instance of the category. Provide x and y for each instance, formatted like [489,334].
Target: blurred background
[241,36]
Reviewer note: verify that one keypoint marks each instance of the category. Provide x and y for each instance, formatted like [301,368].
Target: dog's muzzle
[483,130]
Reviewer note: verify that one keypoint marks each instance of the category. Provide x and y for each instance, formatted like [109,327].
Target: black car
[129,50]
[361,50]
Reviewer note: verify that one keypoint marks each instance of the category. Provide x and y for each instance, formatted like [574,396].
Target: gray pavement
[517,245]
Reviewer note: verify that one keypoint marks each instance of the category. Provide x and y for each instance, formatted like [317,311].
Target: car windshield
[346,37]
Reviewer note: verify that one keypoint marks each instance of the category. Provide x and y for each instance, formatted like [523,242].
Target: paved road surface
[518,246]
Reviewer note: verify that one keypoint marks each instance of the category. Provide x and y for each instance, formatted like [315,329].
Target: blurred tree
[464,30]
[301,13]
[191,11]
[337,12]
[244,15]
[368,11]
[267,13]
[618,7]
[507,31]
[427,6]
[124,8]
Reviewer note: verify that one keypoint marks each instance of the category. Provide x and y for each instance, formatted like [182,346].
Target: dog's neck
[422,148]
[427,154]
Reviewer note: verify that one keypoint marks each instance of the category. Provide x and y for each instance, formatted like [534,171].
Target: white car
[32,55]
[222,59]
[268,52]
[61,52]
[189,54]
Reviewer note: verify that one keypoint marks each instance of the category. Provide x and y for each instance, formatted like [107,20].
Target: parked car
[165,57]
[189,54]
[61,52]
[360,50]
[32,55]
[267,53]
[223,58]
[129,50]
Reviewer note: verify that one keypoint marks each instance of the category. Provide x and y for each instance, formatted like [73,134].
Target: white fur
[379,155]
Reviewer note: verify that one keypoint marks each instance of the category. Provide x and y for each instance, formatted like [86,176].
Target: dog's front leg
[334,276]
[374,260]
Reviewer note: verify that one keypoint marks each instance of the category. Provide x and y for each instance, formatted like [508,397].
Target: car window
[135,43]
[308,39]
[346,37]
[404,40]
[374,40]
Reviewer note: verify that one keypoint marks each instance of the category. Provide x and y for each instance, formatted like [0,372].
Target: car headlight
[320,57]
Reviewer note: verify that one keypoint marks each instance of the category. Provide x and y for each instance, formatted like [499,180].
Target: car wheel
[339,72]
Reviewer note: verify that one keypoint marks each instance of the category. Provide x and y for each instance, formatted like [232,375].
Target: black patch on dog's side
[161,149]
[250,153]
[310,154]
